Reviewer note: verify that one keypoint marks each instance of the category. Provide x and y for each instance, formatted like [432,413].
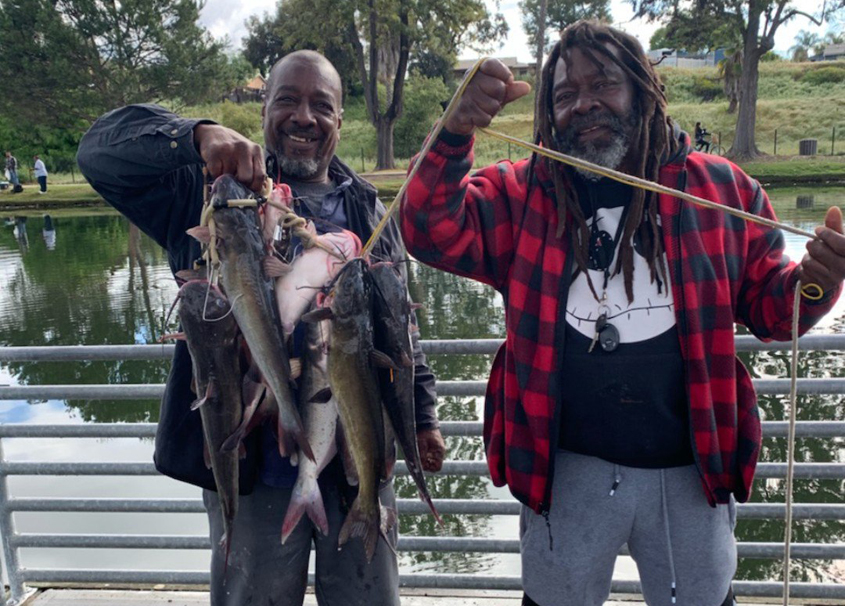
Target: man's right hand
[226,152]
[492,87]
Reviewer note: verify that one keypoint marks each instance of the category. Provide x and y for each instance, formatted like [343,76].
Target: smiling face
[594,109]
[302,115]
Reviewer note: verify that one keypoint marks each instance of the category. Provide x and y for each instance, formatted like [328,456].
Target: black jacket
[143,161]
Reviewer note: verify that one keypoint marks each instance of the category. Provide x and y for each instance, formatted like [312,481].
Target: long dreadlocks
[653,136]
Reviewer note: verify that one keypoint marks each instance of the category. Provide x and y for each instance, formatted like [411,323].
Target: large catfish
[392,318]
[355,386]
[241,251]
[319,413]
[213,342]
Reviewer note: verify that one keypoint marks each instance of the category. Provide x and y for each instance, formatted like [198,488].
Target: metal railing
[13,541]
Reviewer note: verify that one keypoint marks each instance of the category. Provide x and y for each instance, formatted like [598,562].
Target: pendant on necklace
[600,253]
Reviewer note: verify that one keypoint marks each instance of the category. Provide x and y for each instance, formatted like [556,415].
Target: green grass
[57,196]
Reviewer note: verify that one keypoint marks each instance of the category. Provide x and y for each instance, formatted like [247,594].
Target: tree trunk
[745,146]
[384,144]
[541,51]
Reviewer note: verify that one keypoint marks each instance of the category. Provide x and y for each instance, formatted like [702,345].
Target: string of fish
[809,291]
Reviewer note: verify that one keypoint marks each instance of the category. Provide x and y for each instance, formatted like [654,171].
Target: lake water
[94,280]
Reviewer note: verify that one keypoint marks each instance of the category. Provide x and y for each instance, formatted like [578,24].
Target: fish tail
[226,545]
[419,478]
[425,497]
[306,500]
[360,523]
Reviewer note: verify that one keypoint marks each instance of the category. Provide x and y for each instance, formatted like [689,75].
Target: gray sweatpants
[662,514]
[263,572]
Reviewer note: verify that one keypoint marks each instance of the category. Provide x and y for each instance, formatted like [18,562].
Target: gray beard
[304,168]
[606,155]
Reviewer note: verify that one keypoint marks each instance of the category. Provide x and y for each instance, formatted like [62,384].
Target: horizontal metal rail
[510,507]
[771,429]
[444,388]
[74,353]
[408,544]
[818,471]
[423,581]
[15,541]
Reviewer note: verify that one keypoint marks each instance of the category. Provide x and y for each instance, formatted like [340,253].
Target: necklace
[600,253]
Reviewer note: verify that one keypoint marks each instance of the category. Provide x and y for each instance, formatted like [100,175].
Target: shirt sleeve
[459,222]
[143,161]
[768,290]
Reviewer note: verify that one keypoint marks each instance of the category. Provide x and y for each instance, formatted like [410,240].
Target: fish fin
[321,397]
[361,524]
[382,360]
[416,306]
[311,228]
[387,518]
[407,362]
[186,275]
[242,452]
[295,368]
[206,457]
[311,503]
[253,394]
[172,336]
[274,267]
[200,233]
[209,394]
[284,440]
[294,458]
[317,315]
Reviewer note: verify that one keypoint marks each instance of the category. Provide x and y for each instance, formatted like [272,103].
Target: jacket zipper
[554,435]
[682,186]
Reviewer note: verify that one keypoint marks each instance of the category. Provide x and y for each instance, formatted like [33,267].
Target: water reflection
[104,282]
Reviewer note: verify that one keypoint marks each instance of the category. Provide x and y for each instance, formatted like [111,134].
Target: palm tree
[804,41]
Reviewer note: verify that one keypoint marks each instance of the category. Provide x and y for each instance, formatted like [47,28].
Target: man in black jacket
[146,162]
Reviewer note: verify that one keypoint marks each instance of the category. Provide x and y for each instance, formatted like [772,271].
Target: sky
[227,17]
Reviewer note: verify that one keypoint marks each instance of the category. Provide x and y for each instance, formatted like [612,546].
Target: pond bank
[780,172]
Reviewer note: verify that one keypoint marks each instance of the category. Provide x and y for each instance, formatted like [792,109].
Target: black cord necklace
[600,254]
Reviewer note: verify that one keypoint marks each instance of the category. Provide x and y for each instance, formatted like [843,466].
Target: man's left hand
[432,449]
[824,263]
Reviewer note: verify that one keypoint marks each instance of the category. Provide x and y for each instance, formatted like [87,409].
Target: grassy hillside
[799,100]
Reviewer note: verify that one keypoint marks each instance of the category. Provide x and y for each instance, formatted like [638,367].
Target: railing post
[7,530]
[776,142]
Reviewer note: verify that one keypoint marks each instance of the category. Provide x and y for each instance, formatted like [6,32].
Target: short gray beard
[609,156]
[297,168]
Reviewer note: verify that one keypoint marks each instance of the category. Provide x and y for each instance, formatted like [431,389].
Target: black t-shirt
[628,405]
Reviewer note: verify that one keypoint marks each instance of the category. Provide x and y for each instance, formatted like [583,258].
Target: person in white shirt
[41,174]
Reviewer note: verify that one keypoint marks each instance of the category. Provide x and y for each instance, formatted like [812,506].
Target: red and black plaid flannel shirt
[494,228]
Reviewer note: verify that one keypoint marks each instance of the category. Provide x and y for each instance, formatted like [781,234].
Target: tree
[559,14]
[804,42]
[378,36]
[66,61]
[756,22]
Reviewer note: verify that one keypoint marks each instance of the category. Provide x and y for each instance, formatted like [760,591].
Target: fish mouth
[226,188]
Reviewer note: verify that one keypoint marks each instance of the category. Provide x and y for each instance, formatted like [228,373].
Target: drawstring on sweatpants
[668,535]
[617,479]
[549,528]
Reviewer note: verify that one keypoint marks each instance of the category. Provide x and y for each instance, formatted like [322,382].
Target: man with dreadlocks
[617,411]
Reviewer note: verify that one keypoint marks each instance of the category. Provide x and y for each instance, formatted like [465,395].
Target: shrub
[422,106]
[241,118]
[707,89]
[825,75]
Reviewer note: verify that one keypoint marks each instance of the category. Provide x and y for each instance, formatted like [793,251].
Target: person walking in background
[12,167]
[40,174]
